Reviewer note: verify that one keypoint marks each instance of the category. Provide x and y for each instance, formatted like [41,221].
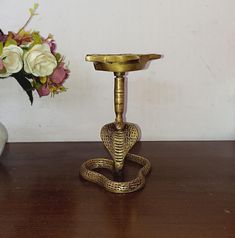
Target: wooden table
[190,193]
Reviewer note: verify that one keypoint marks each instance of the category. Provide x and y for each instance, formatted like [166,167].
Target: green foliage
[58,57]
[25,84]
[36,38]
[32,11]
[36,84]
[10,42]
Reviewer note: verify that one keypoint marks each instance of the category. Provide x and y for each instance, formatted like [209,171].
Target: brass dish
[121,63]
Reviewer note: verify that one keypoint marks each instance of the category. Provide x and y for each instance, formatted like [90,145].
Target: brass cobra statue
[118,137]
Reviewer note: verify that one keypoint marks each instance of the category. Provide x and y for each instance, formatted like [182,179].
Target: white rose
[39,61]
[12,60]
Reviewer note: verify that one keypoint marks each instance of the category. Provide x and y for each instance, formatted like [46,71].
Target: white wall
[187,95]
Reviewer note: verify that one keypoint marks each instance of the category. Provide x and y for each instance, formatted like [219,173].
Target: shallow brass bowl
[121,63]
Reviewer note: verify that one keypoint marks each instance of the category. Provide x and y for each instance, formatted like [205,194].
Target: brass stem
[119,98]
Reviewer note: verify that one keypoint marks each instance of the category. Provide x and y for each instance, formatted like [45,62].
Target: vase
[3,137]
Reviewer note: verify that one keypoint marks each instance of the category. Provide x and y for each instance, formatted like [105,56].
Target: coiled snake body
[87,173]
[118,143]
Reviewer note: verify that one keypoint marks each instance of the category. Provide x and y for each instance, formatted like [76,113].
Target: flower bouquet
[33,61]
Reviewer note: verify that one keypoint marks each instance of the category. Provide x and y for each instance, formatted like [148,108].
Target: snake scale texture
[118,143]
[88,173]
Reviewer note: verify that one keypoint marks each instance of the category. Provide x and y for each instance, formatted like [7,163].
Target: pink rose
[59,74]
[44,90]
[52,46]
[3,37]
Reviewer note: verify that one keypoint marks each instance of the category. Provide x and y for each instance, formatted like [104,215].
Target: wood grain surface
[189,193]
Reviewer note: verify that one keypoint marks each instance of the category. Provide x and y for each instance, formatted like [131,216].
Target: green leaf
[58,57]
[35,6]
[25,84]
[10,42]
[37,85]
[36,38]
[1,47]
[33,10]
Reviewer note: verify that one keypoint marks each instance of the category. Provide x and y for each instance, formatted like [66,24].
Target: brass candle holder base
[118,137]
